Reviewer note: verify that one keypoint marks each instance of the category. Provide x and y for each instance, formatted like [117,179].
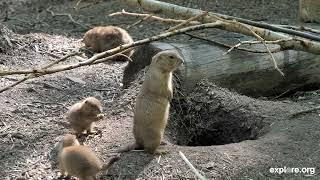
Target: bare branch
[237,24]
[163,7]
[4,73]
[184,22]
[166,20]
[139,21]
[61,59]
[265,45]
[107,55]
[104,56]
[237,46]
[30,76]
[296,43]
[187,21]
[16,83]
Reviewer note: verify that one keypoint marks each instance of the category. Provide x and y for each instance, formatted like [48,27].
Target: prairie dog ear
[155,58]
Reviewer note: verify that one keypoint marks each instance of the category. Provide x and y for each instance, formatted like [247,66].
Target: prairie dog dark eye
[171,57]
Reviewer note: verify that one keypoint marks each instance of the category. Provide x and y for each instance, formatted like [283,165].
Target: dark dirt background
[31,115]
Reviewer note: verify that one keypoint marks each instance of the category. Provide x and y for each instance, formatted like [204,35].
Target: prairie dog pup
[103,38]
[153,102]
[82,115]
[80,161]
[70,140]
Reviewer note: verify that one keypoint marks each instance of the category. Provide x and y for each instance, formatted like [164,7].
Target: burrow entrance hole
[214,116]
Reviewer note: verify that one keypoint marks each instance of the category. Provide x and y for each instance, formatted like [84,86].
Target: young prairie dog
[153,102]
[83,114]
[103,38]
[80,161]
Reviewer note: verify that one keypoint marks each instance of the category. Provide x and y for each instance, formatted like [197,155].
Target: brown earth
[32,114]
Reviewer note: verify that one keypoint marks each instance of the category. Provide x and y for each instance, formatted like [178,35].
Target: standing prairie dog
[103,38]
[83,114]
[153,102]
[80,161]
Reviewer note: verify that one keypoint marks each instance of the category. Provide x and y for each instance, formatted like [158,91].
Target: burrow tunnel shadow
[211,115]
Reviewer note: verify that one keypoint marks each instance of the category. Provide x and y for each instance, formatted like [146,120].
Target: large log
[247,73]
[309,10]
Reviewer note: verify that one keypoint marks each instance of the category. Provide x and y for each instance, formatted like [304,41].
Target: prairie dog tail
[110,163]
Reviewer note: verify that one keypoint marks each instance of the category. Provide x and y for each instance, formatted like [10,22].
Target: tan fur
[153,102]
[80,161]
[82,115]
[70,140]
[103,38]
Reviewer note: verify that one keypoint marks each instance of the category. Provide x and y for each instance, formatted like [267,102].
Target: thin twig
[77,4]
[7,39]
[230,46]
[305,111]
[5,73]
[18,82]
[166,20]
[30,76]
[285,93]
[69,16]
[139,21]
[62,59]
[265,45]
[159,159]
[191,166]
[187,21]
[237,46]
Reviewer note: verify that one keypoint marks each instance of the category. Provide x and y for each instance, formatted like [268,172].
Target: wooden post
[310,10]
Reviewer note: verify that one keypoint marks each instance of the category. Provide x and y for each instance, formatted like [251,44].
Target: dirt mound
[210,115]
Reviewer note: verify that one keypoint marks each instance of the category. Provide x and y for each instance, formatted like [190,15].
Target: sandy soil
[32,114]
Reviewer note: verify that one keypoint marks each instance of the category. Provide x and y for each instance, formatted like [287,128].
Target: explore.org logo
[308,171]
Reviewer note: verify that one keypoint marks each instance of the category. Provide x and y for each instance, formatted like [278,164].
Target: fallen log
[245,72]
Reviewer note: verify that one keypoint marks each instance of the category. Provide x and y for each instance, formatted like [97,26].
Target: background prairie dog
[82,115]
[153,102]
[103,38]
[80,161]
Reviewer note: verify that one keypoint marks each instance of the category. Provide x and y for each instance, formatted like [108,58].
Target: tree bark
[247,73]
